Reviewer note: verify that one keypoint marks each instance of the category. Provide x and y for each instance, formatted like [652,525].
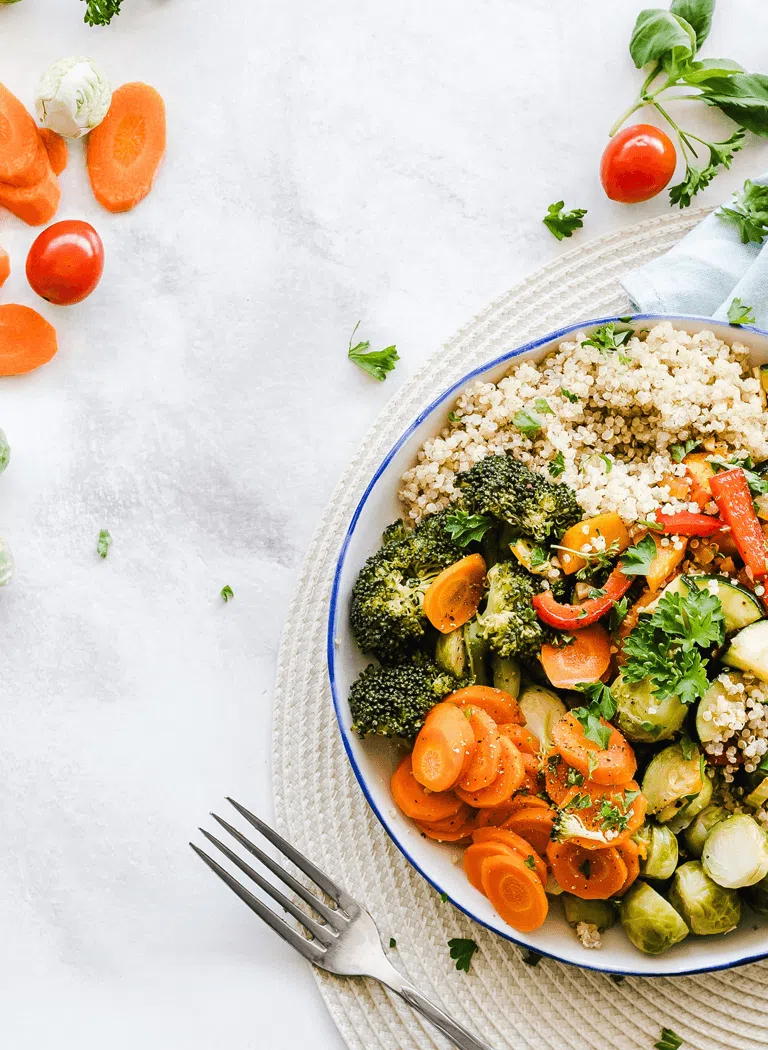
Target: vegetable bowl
[630,508]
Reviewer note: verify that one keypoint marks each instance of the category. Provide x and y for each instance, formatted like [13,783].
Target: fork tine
[323,933]
[304,947]
[333,918]
[340,896]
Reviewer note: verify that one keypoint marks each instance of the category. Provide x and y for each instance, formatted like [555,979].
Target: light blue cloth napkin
[704,273]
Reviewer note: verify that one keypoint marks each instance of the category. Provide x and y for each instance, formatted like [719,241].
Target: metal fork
[344,941]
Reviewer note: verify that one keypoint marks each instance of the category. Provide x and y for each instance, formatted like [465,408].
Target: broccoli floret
[394,701]
[506,489]
[557,584]
[509,620]
[387,611]
[396,531]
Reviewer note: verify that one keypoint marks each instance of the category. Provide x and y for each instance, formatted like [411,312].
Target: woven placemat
[321,808]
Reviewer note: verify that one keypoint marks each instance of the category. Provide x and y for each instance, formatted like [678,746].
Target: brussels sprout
[541,709]
[757,896]
[696,833]
[679,819]
[477,650]
[641,717]
[735,852]
[601,913]
[506,674]
[5,451]
[553,887]
[671,777]
[451,653]
[658,851]
[650,922]
[705,906]
[73,96]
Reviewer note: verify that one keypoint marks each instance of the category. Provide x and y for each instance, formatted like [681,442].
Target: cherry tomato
[65,262]
[637,164]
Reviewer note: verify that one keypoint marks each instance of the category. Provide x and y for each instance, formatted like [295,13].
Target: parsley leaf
[557,466]
[573,398]
[637,560]
[618,615]
[462,950]
[454,417]
[530,863]
[749,213]
[562,223]
[679,452]
[738,313]
[227,593]
[696,179]
[538,557]
[103,543]
[649,524]
[668,1040]
[464,528]
[574,778]
[542,405]
[608,462]
[375,362]
[601,706]
[608,338]
[595,560]
[101,12]
[392,942]
[527,422]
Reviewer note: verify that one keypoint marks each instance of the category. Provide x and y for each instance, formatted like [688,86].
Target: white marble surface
[327,163]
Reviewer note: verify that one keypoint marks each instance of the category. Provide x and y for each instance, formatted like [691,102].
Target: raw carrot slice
[5,266]
[125,150]
[443,748]
[533,782]
[23,160]
[26,340]
[515,892]
[510,776]
[516,843]
[532,824]
[595,875]
[414,800]
[630,854]
[484,765]
[584,659]
[474,856]
[501,706]
[614,765]
[453,596]
[35,204]
[56,148]
[521,737]
[609,815]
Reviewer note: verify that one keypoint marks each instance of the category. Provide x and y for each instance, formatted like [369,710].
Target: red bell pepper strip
[734,501]
[572,617]
[684,523]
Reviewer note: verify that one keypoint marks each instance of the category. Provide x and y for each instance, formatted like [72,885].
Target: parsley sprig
[462,950]
[595,560]
[101,12]
[465,528]
[738,313]
[637,560]
[668,1040]
[602,705]
[749,214]
[610,339]
[561,223]
[376,363]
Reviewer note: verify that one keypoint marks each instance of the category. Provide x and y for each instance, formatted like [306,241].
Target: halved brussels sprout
[735,852]
[672,778]
[695,834]
[506,674]
[650,922]
[679,819]
[477,650]
[541,709]
[707,907]
[641,717]
[658,851]
[451,653]
[601,913]
[757,896]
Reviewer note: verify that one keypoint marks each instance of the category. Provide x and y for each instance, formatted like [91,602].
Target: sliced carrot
[444,745]
[494,816]
[483,767]
[614,765]
[26,340]
[521,737]
[453,596]
[124,151]
[501,706]
[515,892]
[608,527]
[23,160]
[453,829]
[556,776]
[532,824]
[35,204]
[595,875]
[414,800]
[584,659]
[463,814]
[533,782]
[510,776]
[474,856]
[5,266]
[522,801]
[630,854]
[613,814]
[516,843]
[56,148]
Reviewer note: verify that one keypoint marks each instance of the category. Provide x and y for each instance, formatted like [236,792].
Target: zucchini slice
[749,650]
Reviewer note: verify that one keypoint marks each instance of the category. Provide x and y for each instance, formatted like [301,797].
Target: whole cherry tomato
[637,164]
[65,262]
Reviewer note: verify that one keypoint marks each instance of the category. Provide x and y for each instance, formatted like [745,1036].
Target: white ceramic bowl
[374,760]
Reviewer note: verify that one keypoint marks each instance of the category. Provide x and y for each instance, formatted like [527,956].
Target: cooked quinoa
[665,387]
[740,719]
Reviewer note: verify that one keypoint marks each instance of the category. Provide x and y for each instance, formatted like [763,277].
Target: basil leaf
[658,33]
[677,60]
[698,14]
[710,69]
[743,97]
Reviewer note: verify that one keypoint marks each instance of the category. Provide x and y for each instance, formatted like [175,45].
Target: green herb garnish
[227,593]
[462,950]
[376,363]
[557,466]
[542,405]
[739,314]
[573,398]
[637,560]
[527,423]
[601,706]
[392,942]
[561,223]
[680,451]
[668,1040]
[101,12]
[464,528]
[103,543]
[617,615]
[750,208]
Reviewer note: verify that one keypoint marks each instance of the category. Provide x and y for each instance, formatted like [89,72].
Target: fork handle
[457,1033]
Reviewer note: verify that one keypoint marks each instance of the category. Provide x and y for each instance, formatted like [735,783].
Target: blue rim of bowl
[333,619]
